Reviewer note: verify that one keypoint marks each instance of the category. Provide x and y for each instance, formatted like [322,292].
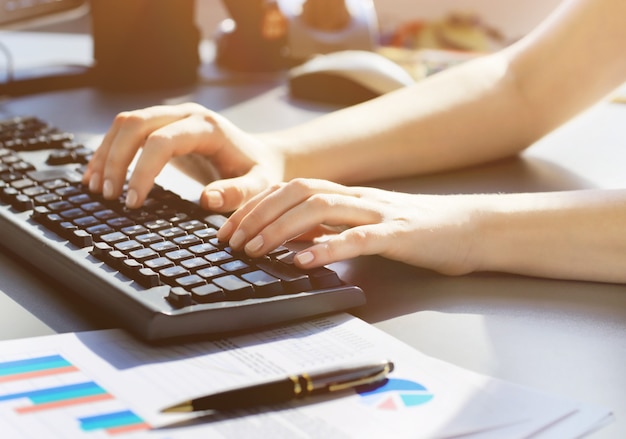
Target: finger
[267,206]
[178,138]
[358,241]
[232,223]
[229,194]
[121,143]
[93,173]
[327,209]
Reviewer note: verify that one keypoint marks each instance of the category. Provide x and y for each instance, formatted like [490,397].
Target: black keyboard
[159,270]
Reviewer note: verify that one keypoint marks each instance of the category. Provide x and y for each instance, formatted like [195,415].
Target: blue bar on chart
[35,400]
[34,367]
[114,423]
[60,396]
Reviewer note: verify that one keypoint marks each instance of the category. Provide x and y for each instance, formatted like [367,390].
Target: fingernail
[131,198]
[94,183]
[304,258]
[215,199]
[225,231]
[255,244]
[237,239]
[107,189]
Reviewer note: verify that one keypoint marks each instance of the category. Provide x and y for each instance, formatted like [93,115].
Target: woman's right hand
[246,165]
[438,232]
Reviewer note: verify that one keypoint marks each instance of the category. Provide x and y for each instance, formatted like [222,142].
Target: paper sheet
[105,383]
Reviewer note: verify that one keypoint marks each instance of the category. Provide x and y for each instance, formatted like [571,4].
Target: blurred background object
[253,37]
[17,14]
[277,31]
[265,35]
[324,26]
[458,30]
[144,44]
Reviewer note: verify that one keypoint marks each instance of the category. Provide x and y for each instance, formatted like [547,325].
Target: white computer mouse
[346,77]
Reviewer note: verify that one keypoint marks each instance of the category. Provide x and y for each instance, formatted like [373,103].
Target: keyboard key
[179,255]
[293,280]
[234,287]
[157,225]
[170,274]
[162,247]
[189,281]
[210,272]
[127,246]
[143,254]
[264,284]
[172,232]
[73,213]
[120,222]
[101,250]
[80,238]
[202,249]
[79,199]
[195,264]
[112,238]
[59,206]
[324,277]
[94,206]
[22,203]
[219,257]
[235,266]
[190,226]
[130,267]
[86,221]
[99,229]
[147,277]
[157,264]
[149,238]
[115,259]
[47,198]
[104,215]
[208,293]
[179,297]
[187,240]
[205,234]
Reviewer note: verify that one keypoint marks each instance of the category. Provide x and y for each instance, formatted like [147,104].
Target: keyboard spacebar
[315,278]
[294,281]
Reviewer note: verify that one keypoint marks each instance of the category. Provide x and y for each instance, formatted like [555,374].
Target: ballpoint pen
[288,388]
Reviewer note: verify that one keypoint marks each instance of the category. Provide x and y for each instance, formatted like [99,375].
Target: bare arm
[486,109]
[483,110]
[567,235]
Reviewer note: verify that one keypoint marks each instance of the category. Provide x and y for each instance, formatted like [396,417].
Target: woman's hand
[434,232]
[245,165]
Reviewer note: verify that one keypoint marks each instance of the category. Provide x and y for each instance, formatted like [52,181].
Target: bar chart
[58,397]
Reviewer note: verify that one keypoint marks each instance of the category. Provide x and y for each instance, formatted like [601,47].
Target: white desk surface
[563,337]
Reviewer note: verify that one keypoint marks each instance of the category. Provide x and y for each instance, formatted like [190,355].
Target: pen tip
[178,408]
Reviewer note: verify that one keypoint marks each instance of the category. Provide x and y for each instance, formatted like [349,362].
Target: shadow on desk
[511,175]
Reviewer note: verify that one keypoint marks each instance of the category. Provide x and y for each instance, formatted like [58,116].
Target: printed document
[105,384]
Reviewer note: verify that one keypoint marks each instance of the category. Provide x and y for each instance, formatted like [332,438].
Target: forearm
[453,119]
[567,235]
[483,110]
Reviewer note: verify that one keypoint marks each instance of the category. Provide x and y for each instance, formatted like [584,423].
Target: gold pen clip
[335,387]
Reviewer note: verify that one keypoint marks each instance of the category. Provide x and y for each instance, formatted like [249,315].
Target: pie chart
[396,394]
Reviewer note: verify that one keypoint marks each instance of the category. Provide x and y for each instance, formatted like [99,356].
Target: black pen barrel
[260,394]
[291,387]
